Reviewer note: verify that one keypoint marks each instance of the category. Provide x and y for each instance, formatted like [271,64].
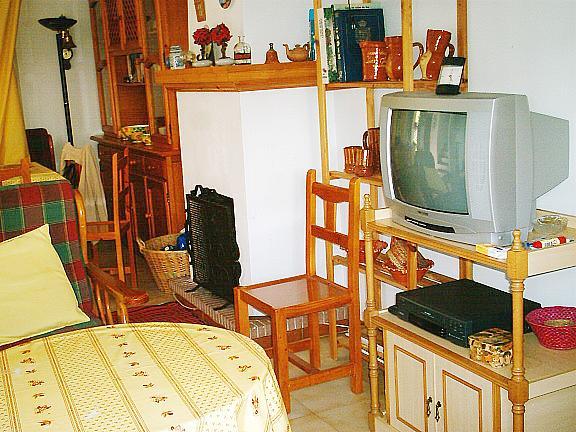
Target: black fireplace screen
[212,246]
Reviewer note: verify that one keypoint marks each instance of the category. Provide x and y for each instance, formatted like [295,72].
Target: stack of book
[340,28]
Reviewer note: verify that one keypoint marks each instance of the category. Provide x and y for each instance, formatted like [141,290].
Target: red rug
[168,312]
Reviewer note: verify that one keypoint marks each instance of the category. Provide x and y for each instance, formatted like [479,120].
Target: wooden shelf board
[240,78]
[430,278]
[418,85]
[375,180]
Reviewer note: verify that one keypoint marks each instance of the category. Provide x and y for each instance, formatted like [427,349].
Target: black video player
[458,309]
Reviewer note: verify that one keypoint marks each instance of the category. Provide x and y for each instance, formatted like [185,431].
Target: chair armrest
[105,285]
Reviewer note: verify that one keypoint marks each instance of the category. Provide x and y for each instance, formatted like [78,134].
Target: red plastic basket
[555,326]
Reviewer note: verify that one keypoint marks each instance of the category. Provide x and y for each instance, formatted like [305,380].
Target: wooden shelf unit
[535,370]
[240,78]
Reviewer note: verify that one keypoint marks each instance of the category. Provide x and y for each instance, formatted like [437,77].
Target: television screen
[427,158]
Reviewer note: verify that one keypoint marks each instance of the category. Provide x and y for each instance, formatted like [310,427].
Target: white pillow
[35,294]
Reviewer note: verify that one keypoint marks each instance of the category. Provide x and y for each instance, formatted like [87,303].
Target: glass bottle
[242,52]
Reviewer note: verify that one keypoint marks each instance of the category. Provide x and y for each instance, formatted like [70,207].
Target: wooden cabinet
[131,40]
[156,176]
[430,393]
[540,380]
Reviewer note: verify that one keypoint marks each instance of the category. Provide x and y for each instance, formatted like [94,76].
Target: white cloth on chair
[90,185]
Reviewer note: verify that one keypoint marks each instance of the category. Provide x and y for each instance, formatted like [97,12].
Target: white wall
[519,46]
[39,74]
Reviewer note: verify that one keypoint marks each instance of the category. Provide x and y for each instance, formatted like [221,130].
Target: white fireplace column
[256,148]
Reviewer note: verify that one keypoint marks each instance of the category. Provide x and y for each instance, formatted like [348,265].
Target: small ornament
[271,55]
[242,52]
[176,57]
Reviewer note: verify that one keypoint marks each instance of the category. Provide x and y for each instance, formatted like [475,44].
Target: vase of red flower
[221,36]
[202,37]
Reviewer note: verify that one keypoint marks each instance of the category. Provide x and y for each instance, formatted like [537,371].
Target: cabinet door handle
[428,410]
[437,416]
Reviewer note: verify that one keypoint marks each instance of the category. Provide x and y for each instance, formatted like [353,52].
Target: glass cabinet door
[102,67]
[153,59]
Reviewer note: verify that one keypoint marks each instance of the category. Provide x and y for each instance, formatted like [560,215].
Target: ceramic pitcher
[394,62]
[437,41]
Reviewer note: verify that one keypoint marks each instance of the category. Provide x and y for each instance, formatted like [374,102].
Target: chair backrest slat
[332,195]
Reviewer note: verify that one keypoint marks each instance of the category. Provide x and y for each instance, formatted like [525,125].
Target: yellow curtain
[13,146]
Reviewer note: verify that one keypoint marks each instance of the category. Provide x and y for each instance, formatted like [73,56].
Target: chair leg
[280,344]
[355,345]
[119,257]
[333,332]
[241,313]
[314,334]
[131,259]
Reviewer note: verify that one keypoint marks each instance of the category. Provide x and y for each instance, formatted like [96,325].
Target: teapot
[298,53]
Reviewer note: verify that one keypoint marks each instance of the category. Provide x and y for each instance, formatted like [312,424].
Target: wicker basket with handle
[164,265]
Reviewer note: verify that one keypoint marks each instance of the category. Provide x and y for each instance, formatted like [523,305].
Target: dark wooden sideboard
[156,173]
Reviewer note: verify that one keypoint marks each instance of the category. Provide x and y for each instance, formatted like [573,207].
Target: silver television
[468,167]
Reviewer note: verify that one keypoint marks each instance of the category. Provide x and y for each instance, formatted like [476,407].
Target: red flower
[202,36]
[220,34]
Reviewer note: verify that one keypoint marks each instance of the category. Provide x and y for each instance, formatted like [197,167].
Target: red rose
[220,34]
[202,36]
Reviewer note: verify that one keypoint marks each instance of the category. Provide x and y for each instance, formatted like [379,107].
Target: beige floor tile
[310,423]
[329,395]
[349,418]
[297,410]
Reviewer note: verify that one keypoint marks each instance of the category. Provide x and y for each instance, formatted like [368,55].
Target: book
[327,48]
[312,55]
[353,26]
[330,44]
[322,46]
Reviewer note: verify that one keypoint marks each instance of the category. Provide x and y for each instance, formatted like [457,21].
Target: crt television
[468,167]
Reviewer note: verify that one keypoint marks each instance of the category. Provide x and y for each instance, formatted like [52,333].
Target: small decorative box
[493,346]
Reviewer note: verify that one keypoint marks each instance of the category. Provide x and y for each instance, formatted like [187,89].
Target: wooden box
[493,346]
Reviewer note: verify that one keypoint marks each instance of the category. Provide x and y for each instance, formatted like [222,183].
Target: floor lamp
[64,44]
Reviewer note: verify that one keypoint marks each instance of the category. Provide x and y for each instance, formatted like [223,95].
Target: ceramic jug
[437,41]
[394,62]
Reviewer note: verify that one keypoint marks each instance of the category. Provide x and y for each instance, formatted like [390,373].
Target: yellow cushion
[35,294]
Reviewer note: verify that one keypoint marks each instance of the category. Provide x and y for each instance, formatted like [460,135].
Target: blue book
[353,26]
[312,55]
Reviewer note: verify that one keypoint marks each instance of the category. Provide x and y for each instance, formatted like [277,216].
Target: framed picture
[225,4]
[450,76]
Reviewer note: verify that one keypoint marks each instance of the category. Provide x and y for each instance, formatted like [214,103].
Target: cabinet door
[157,192]
[113,25]
[410,370]
[466,399]
[131,33]
[102,69]
[140,206]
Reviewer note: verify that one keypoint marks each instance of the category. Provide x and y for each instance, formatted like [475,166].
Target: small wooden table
[140,377]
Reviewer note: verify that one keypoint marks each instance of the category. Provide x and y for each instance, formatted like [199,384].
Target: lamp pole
[64,45]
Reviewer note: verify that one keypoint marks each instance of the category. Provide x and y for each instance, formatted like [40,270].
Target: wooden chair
[310,294]
[10,171]
[121,223]
[41,147]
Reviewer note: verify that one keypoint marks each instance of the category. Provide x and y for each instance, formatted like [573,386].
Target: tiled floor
[327,407]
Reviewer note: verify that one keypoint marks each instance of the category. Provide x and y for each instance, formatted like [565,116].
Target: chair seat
[104,230]
[303,294]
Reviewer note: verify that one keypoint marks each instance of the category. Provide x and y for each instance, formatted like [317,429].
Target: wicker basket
[165,265]
[555,326]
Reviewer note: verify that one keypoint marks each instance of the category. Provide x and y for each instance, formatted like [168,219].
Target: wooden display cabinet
[131,41]
[422,367]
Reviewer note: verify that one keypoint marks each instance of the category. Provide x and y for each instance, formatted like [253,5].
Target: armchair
[25,207]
